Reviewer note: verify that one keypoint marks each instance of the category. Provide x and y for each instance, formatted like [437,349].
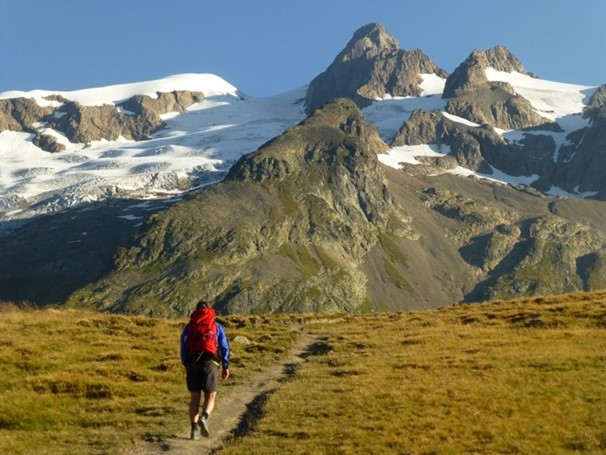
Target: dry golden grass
[83,382]
[527,376]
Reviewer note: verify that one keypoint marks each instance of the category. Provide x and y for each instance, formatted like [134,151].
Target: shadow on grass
[320,347]
[256,408]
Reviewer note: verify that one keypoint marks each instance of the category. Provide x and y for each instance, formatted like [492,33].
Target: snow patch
[496,176]
[552,100]
[432,84]
[409,153]
[555,191]
[456,118]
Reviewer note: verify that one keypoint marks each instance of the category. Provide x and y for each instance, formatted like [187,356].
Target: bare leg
[194,406]
[209,402]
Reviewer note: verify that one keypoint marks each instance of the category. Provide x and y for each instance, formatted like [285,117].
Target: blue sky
[266,47]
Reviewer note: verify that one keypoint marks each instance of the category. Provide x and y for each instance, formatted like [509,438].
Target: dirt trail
[234,413]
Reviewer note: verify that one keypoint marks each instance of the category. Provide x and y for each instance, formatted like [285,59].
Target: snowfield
[199,146]
[209,84]
[196,148]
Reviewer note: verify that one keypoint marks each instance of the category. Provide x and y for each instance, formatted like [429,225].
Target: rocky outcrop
[136,118]
[478,148]
[371,66]
[497,105]
[471,74]
[560,256]
[472,96]
[20,114]
[176,101]
[596,108]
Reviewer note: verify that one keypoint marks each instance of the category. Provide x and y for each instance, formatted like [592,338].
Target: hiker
[204,346]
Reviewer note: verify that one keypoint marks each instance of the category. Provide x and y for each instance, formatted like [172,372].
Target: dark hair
[202,304]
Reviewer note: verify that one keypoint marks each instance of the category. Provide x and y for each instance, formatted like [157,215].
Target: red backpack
[202,332]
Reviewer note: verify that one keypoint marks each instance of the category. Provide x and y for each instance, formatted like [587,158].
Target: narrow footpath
[234,413]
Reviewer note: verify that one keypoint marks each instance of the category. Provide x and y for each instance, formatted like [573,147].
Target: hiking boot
[203,422]
[195,433]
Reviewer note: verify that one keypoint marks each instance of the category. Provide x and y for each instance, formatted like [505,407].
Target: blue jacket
[221,342]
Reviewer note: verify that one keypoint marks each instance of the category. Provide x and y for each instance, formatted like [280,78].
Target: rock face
[576,166]
[285,231]
[560,256]
[581,164]
[520,254]
[371,66]
[478,148]
[475,98]
[19,114]
[136,118]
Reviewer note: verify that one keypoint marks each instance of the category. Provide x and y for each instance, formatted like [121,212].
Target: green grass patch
[391,247]
[301,256]
[395,276]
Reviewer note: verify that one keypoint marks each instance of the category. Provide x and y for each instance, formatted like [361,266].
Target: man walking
[204,347]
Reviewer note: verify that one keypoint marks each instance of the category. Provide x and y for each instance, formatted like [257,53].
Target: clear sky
[266,47]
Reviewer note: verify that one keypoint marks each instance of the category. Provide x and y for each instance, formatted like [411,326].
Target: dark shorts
[202,376]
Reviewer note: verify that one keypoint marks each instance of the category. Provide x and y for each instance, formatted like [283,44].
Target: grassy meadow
[84,382]
[525,376]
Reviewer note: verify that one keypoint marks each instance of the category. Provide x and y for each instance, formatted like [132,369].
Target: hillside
[283,232]
[313,222]
[524,376]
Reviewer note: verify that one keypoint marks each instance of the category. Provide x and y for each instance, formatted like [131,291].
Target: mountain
[371,66]
[263,239]
[385,184]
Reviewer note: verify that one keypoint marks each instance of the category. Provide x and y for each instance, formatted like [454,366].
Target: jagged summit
[370,41]
[472,72]
[371,66]
[316,139]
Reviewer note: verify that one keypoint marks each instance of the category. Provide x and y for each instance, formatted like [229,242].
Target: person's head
[202,304]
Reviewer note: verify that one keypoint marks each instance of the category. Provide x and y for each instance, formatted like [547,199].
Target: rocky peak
[501,59]
[334,148]
[471,73]
[472,96]
[287,228]
[368,42]
[371,66]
